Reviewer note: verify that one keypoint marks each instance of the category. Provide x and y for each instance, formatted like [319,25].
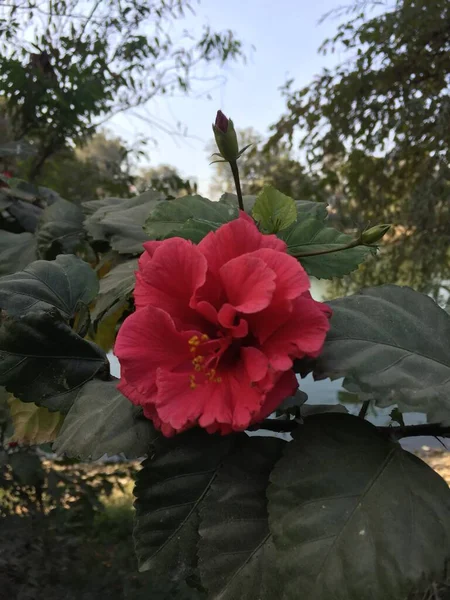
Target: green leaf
[61,231]
[273,210]
[43,360]
[306,208]
[395,344]
[64,283]
[102,421]
[169,490]
[236,553]
[311,235]
[168,218]
[33,424]
[6,425]
[17,250]
[115,289]
[232,200]
[353,516]
[120,222]
[27,468]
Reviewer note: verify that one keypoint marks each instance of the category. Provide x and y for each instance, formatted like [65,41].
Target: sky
[285,34]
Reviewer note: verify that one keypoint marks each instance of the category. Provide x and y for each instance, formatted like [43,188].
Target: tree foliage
[82,64]
[375,128]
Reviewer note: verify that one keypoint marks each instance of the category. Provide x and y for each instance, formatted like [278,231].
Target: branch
[394,433]
[429,429]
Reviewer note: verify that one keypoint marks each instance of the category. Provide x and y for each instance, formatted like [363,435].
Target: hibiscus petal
[302,334]
[234,239]
[292,280]
[248,282]
[176,270]
[286,386]
[232,402]
[327,310]
[148,339]
[255,362]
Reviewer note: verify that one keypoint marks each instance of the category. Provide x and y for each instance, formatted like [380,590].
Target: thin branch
[364,409]
[431,429]
[394,433]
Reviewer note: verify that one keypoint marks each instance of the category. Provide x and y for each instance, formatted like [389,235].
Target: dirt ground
[439,460]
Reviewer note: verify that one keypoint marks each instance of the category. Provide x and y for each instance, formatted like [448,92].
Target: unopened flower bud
[226,138]
[374,234]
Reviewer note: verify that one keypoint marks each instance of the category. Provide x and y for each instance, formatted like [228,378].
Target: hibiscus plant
[248,489]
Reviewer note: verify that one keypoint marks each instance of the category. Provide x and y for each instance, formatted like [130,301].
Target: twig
[364,409]
[395,433]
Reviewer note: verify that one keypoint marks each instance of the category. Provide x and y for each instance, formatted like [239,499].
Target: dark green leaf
[395,344]
[26,215]
[168,493]
[353,516]
[273,210]
[232,200]
[168,218]
[27,468]
[42,360]
[5,201]
[60,231]
[295,401]
[115,289]
[311,235]
[17,250]
[64,283]
[121,222]
[236,553]
[6,425]
[102,421]
[308,410]
[306,208]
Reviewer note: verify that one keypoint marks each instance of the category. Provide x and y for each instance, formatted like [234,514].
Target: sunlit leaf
[33,424]
[273,210]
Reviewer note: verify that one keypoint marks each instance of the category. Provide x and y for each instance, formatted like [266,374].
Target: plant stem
[352,244]
[395,433]
[237,183]
[364,409]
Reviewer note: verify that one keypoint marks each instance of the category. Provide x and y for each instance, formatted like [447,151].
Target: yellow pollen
[192,383]
[204,337]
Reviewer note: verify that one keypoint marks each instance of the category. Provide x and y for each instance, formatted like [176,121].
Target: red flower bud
[226,138]
[221,122]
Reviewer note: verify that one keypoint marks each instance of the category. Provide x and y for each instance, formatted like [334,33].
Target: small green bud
[226,138]
[374,234]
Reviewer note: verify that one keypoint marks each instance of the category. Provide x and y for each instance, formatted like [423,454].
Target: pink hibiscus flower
[216,329]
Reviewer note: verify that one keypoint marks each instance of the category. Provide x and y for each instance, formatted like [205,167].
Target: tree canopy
[376,129]
[65,66]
